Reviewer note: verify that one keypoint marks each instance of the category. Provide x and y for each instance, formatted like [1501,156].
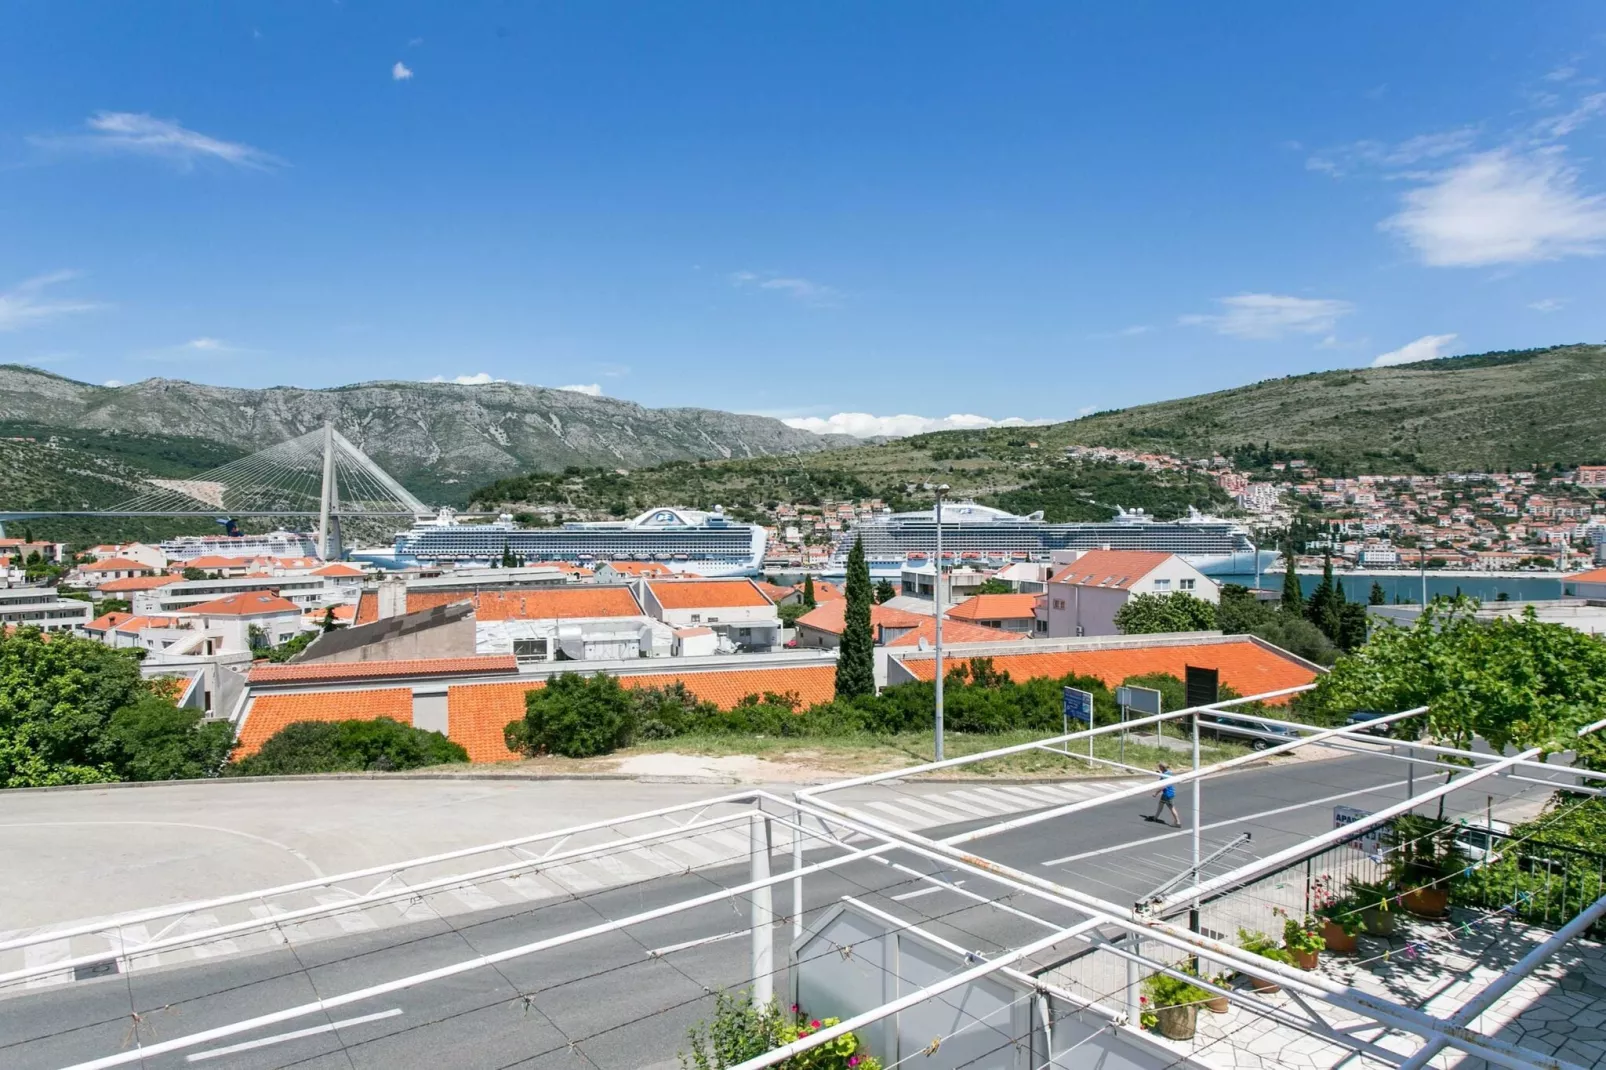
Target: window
[696,618]
[530,649]
[1059,603]
[1186,585]
[1162,585]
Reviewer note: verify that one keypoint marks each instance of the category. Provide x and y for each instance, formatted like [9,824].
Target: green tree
[574,716]
[1322,607]
[380,744]
[855,658]
[1377,597]
[508,560]
[1293,600]
[1240,613]
[193,573]
[328,624]
[995,586]
[808,591]
[885,592]
[1512,681]
[1175,612]
[152,739]
[288,649]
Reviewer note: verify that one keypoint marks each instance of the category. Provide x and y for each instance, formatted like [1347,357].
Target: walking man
[1168,799]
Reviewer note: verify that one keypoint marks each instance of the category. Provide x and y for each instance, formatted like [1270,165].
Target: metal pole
[328,482]
[936,594]
[1134,1009]
[797,869]
[1196,796]
[1123,735]
[763,964]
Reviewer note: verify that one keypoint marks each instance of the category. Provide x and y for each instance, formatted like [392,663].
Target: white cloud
[1548,304]
[864,425]
[1272,316]
[1562,125]
[1344,159]
[487,379]
[114,382]
[139,134]
[207,345]
[1502,207]
[1428,347]
[803,290]
[26,304]
[401,72]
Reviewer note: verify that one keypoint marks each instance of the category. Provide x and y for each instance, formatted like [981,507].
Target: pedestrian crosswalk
[336,910]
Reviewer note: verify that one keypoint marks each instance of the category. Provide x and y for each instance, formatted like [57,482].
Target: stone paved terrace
[1559,1009]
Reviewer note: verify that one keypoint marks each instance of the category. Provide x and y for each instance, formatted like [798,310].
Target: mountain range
[440,439]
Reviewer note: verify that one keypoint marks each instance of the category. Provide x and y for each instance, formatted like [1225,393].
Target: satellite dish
[920,643]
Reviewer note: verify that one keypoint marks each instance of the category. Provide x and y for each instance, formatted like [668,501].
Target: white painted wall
[1075,610]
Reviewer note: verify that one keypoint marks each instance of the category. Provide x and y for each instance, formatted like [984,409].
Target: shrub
[155,740]
[574,716]
[1166,991]
[349,746]
[741,1031]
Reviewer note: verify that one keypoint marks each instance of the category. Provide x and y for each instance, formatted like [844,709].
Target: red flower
[814,1024]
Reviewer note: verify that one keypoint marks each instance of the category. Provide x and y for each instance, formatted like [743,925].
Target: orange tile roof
[540,603]
[107,621]
[639,568]
[1594,575]
[367,607]
[368,670]
[830,617]
[955,631]
[1111,568]
[711,594]
[338,568]
[824,591]
[117,564]
[775,592]
[216,561]
[248,604]
[139,624]
[477,713]
[137,583]
[270,713]
[994,607]
[1246,667]
[343,613]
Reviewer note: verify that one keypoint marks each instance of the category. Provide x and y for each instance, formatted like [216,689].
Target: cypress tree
[1293,601]
[808,591]
[508,560]
[855,659]
[1377,597]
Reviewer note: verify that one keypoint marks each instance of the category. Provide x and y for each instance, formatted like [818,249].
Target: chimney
[392,597]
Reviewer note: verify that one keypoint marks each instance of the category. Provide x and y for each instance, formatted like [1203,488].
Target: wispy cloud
[200,348]
[27,303]
[1506,206]
[805,291]
[864,425]
[589,389]
[1342,160]
[1548,304]
[1428,347]
[400,72]
[138,134]
[114,383]
[1272,316]
[1124,332]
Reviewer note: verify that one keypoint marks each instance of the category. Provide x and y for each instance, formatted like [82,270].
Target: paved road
[622,1006]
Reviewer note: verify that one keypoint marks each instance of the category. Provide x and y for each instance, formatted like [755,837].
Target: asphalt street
[608,1001]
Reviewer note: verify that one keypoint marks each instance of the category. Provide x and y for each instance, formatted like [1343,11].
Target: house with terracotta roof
[737,610]
[824,591]
[632,570]
[1085,594]
[112,568]
[1008,612]
[955,633]
[307,592]
[247,621]
[125,588]
[1591,584]
[821,627]
[781,596]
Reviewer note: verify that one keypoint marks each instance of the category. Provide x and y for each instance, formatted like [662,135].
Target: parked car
[1481,842]
[1362,719]
[1258,736]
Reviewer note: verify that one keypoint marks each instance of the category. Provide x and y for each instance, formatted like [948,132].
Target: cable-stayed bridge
[319,474]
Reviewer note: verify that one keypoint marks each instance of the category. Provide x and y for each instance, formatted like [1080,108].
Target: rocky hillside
[440,439]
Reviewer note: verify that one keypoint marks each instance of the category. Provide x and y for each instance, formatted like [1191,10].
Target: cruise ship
[986,535]
[682,540]
[272,544]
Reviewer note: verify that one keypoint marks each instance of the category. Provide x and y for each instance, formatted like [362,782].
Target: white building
[42,607]
[247,621]
[1084,596]
[738,612]
[307,592]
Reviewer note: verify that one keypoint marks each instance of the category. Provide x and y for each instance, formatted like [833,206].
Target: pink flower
[794,1008]
[853,1061]
[814,1024]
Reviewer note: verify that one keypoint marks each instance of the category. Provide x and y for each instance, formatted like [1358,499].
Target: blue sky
[1013,210]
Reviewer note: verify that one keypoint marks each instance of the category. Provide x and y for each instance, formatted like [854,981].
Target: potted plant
[1174,1004]
[1303,942]
[1266,947]
[1339,915]
[1373,896]
[1218,1004]
[1423,859]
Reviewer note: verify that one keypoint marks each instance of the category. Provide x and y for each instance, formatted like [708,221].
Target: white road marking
[473,897]
[43,955]
[907,818]
[263,1042]
[352,921]
[990,807]
[672,948]
[945,817]
[925,891]
[973,810]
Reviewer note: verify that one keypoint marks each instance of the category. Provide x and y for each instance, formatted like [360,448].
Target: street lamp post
[936,595]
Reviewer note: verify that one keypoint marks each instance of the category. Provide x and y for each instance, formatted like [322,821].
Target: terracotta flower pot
[1218,1005]
[1177,1023]
[1378,922]
[1305,960]
[1338,941]
[1427,902]
[1263,986]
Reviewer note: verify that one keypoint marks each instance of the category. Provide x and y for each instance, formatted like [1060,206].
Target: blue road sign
[1078,705]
